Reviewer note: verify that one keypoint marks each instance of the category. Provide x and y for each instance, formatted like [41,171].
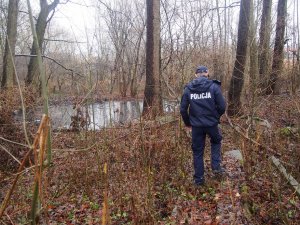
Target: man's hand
[188,131]
[188,128]
[223,119]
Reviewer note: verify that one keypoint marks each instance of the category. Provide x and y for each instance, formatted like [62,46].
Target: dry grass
[150,175]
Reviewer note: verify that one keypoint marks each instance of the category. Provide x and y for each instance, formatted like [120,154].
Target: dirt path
[218,202]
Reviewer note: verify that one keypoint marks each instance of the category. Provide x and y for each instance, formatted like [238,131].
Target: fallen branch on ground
[289,177]
[245,135]
[274,160]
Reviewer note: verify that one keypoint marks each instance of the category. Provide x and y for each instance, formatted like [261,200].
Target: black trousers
[198,145]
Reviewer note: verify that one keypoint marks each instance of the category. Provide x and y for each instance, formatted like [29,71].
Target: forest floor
[149,178]
[72,195]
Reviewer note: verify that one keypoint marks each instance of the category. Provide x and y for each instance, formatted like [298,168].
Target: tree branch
[289,177]
[8,152]
[66,41]
[232,5]
[47,57]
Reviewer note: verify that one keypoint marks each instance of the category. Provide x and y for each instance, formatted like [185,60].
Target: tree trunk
[264,53]
[278,54]
[298,49]
[219,62]
[237,79]
[153,99]
[10,44]
[40,27]
[123,83]
[133,83]
[253,73]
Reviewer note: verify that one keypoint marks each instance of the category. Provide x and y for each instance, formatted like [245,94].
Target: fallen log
[274,160]
[288,176]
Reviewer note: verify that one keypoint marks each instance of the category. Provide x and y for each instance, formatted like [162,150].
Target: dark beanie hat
[201,69]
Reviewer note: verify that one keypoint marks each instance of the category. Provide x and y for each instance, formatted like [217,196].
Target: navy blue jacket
[202,103]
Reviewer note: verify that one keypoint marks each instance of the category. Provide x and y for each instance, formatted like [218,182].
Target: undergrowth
[150,175]
[268,196]
[10,107]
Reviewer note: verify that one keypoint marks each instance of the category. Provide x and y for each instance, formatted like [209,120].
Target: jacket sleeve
[184,107]
[220,100]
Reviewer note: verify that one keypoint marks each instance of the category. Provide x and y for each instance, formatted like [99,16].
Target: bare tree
[264,45]
[3,14]
[40,27]
[296,69]
[126,31]
[219,60]
[278,54]
[10,44]
[254,70]
[153,99]
[133,80]
[139,29]
[237,79]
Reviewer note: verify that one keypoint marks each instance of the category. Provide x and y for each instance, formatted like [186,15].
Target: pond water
[100,115]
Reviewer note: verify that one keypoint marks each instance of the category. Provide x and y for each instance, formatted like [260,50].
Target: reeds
[39,141]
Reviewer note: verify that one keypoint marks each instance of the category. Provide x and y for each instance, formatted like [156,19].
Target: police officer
[201,107]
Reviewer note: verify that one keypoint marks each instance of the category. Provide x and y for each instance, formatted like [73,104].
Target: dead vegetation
[149,175]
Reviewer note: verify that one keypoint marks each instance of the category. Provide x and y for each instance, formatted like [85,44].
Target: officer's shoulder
[217,82]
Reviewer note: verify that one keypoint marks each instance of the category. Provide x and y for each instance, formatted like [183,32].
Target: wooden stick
[289,177]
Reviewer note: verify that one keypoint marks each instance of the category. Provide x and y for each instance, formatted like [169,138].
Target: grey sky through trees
[78,18]
[78,14]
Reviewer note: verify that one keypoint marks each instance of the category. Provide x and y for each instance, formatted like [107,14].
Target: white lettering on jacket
[201,96]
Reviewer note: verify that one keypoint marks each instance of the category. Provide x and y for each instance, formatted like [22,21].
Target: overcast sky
[76,16]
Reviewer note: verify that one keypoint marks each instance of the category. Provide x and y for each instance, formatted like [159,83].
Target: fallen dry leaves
[150,179]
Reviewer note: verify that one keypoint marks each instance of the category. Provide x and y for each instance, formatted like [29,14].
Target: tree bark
[253,73]
[153,99]
[264,45]
[278,54]
[40,27]
[237,79]
[297,78]
[10,44]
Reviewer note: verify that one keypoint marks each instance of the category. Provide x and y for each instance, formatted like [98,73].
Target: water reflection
[109,113]
[100,115]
